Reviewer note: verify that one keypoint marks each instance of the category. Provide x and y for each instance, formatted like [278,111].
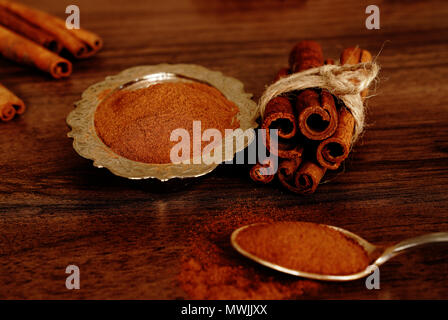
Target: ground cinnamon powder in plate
[137,124]
[212,269]
[304,246]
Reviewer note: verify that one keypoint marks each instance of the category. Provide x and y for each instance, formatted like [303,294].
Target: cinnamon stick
[93,42]
[317,114]
[288,167]
[305,55]
[356,55]
[318,118]
[332,151]
[279,114]
[308,177]
[259,173]
[22,50]
[10,104]
[22,27]
[79,42]
[286,148]
[286,171]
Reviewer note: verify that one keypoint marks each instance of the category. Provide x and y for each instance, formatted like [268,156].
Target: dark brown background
[57,209]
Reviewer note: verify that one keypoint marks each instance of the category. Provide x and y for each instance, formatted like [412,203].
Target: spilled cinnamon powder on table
[212,269]
[138,124]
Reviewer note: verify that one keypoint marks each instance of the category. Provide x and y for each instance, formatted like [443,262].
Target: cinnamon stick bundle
[321,137]
[10,104]
[22,50]
[79,42]
[20,26]
[317,115]
[332,151]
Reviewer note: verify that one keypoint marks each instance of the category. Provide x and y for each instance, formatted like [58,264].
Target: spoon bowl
[377,255]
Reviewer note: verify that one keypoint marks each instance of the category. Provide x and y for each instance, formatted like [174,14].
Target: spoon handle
[407,244]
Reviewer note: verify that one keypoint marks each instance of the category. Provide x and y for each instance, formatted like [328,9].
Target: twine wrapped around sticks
[345,82]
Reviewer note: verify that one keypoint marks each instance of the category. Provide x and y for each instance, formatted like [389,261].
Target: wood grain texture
[126,237]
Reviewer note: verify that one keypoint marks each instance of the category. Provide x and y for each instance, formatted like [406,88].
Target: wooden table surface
[56,209]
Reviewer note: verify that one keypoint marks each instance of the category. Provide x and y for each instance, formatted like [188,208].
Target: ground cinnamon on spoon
[138,124]
[304,246]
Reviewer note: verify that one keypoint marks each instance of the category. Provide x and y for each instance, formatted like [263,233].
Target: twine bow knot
[345,82]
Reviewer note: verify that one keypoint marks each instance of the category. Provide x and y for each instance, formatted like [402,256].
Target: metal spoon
[377,254]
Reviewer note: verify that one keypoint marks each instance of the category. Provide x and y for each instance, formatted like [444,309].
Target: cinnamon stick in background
[356,55]
[20,26]
[305,55]
[258,173]
[22,50]
[332,151]
[80,43]
[317,114]
[10,104]
[92,41]
[308,177]
[45,22]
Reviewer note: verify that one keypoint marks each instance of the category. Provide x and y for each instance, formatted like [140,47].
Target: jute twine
[345,82]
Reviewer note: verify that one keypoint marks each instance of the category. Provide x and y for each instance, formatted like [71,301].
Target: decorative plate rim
[88,145]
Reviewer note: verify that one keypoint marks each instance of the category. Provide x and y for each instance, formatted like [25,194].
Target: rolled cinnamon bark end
[61,69]
[318,117]
[22,50]
[356,55]
[305,55]
[286,148]
[258,173]
[288,167]
[7,112]
[10,104]
[283,72]
[308,177]
[332,151]
[92,41]
[279,114]
[286,170]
